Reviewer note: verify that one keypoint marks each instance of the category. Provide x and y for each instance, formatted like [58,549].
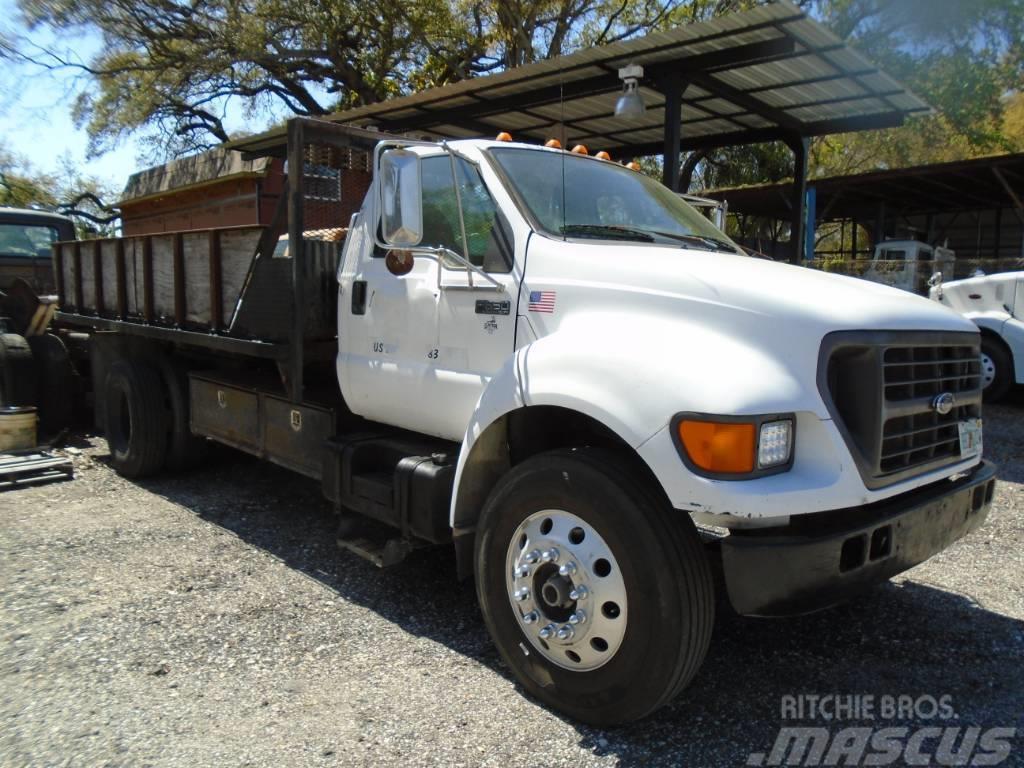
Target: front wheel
[996,369]
[598,595]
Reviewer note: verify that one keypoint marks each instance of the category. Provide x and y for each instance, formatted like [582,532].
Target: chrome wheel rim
[566,590]
[988,371]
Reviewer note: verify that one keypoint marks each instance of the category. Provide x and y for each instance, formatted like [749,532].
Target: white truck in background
[908,264]
[557,365]
[994,303]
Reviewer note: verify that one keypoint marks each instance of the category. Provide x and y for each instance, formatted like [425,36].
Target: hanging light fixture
[630,103]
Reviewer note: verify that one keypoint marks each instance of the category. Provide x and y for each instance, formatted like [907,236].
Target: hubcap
[566,589]
[988,371]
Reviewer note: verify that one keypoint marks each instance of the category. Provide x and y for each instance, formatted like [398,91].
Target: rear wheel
[137,419]
[597,594]
[184,450]
[996,369]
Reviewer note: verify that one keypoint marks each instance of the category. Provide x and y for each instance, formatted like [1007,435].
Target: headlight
[734,447]
[775,443]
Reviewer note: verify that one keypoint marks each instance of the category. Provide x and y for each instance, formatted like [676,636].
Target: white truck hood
[677,319]
[793,294]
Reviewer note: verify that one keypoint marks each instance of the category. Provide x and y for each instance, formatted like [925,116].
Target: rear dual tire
[661,566]
[137,418]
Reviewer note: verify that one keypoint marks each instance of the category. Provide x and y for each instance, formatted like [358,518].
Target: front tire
[996,369]
[647,598]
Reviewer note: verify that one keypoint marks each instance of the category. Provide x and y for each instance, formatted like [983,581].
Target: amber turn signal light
[727,448]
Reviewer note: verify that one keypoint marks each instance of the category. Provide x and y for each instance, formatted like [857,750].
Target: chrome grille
[915,433]
[881,388]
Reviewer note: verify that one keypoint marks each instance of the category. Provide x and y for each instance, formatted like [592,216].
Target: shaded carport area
[768,74]
[975,207]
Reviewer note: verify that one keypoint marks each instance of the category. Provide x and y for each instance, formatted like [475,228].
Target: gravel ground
[208,619]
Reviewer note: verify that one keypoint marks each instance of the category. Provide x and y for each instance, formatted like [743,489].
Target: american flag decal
[542,301]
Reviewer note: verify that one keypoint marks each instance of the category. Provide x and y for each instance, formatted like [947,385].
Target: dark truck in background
[26,237]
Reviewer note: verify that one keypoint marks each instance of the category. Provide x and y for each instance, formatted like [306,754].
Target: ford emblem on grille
[944,403]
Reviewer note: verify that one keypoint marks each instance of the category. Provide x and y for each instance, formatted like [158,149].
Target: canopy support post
[800,145]
[672,87]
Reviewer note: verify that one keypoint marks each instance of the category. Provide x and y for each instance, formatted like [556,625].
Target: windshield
[26,240]
[603,201]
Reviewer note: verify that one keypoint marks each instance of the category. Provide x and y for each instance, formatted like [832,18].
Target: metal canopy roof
[765,74]
[964,185]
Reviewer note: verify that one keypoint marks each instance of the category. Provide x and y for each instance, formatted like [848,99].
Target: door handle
[359,297]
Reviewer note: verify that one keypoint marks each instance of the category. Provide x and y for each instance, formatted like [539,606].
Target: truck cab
[577,321]
[994,303]
[909,264]
[26,236]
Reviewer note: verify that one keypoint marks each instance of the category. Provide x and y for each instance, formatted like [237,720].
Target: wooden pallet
[21,468]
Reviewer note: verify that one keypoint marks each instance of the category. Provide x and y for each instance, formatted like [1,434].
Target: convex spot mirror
[401,216]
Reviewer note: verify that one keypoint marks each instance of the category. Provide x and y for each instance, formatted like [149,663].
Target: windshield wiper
[709,243]
[607,230]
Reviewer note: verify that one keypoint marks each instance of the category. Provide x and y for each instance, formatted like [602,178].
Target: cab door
[416,351]
[476,316]
[387,332]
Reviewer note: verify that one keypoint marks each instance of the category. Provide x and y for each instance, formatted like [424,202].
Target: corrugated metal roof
[961,185]
[753,76]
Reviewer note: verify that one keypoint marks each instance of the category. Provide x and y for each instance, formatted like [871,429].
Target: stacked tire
[37,372]
[17,372]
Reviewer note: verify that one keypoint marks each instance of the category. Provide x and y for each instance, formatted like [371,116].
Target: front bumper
[821,559]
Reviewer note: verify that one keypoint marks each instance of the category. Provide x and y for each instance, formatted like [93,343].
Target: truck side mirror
[401,215]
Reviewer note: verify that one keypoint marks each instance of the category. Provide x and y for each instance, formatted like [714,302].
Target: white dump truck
[994,303]
[554,363]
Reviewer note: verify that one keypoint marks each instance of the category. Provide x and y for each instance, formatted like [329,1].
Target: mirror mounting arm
[462,215]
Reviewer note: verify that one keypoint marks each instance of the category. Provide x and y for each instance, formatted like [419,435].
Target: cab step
[374,542]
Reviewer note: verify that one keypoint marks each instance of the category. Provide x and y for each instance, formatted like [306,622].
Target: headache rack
[882,390]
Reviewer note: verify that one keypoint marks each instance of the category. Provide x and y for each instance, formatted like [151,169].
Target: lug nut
[579,593]
[521,594]
[532,556]
[568,569]
[530,618]
[522,571]
[550,555]
[546,632]
[578,618]
[566,632]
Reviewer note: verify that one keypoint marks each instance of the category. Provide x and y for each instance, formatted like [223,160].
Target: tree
[67,192]
[960,57]
[169,68]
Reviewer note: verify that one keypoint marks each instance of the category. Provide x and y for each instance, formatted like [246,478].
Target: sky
[35,116]
[35,113]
